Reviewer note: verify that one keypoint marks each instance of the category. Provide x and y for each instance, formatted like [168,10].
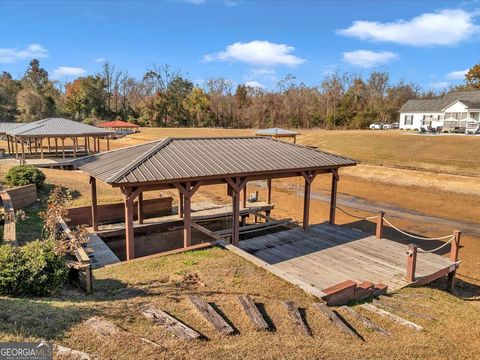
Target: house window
[408,119]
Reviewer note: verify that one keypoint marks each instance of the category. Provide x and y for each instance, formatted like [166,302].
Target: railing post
[379,229]
[411,262]
[455,246]
[454,258]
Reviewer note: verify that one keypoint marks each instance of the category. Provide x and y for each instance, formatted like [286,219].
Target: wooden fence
[110,213]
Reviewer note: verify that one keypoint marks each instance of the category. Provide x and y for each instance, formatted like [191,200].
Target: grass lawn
[123,289]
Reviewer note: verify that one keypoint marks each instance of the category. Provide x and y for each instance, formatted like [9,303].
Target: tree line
[166,97]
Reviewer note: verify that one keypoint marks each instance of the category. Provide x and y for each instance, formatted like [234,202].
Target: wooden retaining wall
[9,228]
[110,213]
[23,196]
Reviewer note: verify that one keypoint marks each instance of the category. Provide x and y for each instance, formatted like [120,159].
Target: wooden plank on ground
[171,324]
[369,324]
[252,312]
[209,313]
[68,353]
[297,317]
[334,318]
[396,307]
[106,328]
[391,316]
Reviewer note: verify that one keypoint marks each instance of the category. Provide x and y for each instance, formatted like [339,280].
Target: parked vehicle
[376,126]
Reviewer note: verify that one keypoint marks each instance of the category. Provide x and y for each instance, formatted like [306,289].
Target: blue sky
[429,42]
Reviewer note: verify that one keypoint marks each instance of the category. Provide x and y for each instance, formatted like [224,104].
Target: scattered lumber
[397,307]
[394,300]
[369,324]
[106,328]
[391,316]
[68,353]
[335,319]
[297,317]
[209,313]
[171,324]
[252,312]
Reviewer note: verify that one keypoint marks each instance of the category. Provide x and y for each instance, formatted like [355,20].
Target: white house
[455,111]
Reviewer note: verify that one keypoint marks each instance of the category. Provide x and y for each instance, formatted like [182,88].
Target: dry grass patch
[123,289]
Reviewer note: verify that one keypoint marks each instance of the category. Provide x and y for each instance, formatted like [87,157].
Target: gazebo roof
[187,159]
[117,124]
[56,127]
[276,132]
[7,126]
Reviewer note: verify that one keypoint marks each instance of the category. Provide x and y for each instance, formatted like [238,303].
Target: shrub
[21,175]
[89,121]
[33,269]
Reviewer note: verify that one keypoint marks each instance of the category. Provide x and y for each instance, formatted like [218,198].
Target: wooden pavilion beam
[309,177]
[140,208]
[93,186]
[63,148]
[129,197]
[269,191]
[187,191]
[235,187]
[333,195]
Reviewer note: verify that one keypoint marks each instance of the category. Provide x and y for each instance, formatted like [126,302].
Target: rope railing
[355,216]
[452,237]
[414,236]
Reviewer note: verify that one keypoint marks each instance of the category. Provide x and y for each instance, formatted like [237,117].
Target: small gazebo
[29,139]
[278,133]
[118,125]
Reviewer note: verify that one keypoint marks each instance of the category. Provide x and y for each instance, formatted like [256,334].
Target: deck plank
[329,254]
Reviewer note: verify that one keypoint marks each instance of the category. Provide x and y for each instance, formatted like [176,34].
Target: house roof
[7,126]
[56,127]
[187,159]
[469,98]
[117,124]
[276,132]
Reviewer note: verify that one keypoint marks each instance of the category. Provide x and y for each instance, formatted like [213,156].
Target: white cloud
[368,58]
[457,75]
[446,27]
[99,60]
[258,53]
[63,72]
[254,84]
[440,85]
[10,55]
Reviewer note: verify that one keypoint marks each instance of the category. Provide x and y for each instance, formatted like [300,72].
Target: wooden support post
[454,258]
[187,220]
[41,148]
[244,199]
[48,144]
[98,144]
[235,217]
[180,204]
[333,196]
[269,191]
[74,148]
[22,158]
[140,208]
[129,233]
[36,145]
[93,185]
[56,147]
[411,262]
[379,229]
[16,148]
[8,145]
[108,143]
[94,145]
[63,148]
[306,206]
[455,246]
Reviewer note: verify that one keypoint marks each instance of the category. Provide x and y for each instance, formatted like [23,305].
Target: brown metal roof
[180,159]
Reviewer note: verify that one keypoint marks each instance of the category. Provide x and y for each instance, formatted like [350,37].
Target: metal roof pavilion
[186,164]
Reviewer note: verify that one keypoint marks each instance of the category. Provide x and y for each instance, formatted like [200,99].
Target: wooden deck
[330,254]
[99,253]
